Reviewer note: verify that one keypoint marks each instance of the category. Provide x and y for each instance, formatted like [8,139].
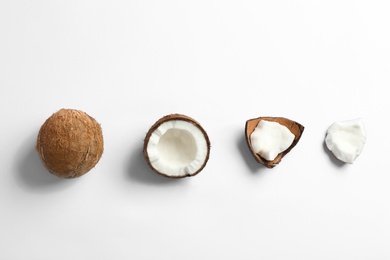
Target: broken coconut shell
[295,128]
[176,146]
[70,143]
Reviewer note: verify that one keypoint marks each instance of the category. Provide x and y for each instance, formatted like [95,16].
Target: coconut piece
[346,139]
[273,139]
[270,138]
[70,143]
[176,146]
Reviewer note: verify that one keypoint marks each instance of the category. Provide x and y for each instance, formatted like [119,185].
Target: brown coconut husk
[295,128]
[70,143]
[169,118]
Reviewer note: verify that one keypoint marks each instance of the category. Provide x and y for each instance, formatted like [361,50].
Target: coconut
[176,146]
[271,138]
[346,139]
[70,143]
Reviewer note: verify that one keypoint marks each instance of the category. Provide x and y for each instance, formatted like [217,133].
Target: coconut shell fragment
[295,128]
[70,143]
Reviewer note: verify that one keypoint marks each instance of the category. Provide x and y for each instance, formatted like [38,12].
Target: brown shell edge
[169,118]
[296,128]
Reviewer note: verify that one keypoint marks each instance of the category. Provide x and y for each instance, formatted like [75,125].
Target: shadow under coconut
[247,155]
[332,157]
[139,170]
[30,171]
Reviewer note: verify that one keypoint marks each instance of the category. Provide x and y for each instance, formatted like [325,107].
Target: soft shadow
[331,156]
[250,161]
[30,172]
[138,170]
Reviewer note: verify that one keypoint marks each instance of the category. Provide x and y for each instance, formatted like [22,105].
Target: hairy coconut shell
[295,128]
[70,143]
[169,118]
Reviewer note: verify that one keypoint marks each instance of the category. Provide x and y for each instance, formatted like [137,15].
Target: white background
[128,63]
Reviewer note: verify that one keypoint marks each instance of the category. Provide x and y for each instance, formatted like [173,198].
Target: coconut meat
[270,139]
[177,148]
[346,139]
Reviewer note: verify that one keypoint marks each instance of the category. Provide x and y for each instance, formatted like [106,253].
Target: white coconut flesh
[346,139]
[177,148]
[270,139]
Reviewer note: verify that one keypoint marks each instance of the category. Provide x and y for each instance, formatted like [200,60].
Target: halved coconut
[271,138]
[176,146]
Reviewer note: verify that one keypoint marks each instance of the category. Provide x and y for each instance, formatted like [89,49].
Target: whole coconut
[70,143]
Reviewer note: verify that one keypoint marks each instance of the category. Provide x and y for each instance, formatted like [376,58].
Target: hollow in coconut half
[176,146]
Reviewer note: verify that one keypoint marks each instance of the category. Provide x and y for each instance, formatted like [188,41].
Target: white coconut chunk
[270,139]
[346,139]
[177,148]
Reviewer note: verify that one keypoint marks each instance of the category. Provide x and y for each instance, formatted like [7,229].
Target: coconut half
[271,138]
[177,146]
[346,139]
